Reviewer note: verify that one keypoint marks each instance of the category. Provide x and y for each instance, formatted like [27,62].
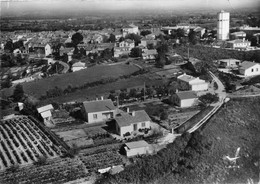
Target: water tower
[223,25]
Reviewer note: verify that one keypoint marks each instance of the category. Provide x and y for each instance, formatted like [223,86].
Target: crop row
[22,141]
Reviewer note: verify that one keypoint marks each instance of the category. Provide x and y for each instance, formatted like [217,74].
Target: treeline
[181,158]
[57,91]
[211,54]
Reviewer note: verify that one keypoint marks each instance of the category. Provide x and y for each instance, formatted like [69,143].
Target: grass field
[38,88]
[103,90]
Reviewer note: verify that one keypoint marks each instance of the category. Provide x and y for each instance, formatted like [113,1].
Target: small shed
[137,148]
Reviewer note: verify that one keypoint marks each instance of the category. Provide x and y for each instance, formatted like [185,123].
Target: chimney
[102,98]
[133,113]
[127,110]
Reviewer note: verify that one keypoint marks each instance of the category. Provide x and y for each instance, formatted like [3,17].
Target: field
[104,90]
[23,142]
[57,171]
[38,88]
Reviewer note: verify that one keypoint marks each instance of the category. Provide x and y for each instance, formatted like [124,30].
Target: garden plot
[58,171]
[23,142]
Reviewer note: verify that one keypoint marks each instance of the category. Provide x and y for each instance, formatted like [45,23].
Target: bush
[41,161]
[209,98]
[127,134]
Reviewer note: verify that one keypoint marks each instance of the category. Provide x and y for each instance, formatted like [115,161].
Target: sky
[20,6]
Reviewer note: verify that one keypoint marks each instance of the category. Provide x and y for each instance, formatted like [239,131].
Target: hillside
[237,124]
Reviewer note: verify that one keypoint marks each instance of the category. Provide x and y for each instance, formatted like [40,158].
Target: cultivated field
[56,171]
[22,142]
[96,73]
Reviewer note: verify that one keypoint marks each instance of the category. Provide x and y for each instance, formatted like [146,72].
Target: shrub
[127,134]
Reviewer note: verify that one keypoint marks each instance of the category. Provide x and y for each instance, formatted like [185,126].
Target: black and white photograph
[130,92]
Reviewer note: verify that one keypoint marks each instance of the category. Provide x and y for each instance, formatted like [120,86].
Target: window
[252,70]
[143,124]
[95,116]
[257,69]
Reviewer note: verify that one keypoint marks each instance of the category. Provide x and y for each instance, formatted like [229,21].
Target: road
[222,96]
[66,67]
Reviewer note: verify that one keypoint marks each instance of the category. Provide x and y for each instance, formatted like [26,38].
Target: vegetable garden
[23,142]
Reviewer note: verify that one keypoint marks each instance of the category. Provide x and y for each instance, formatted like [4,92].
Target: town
[130,100]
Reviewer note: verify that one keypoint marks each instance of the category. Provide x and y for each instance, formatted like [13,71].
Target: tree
[112,38]
[209,98]
[193,37]
[180,33]
[145,32]
[136,52]
[163,48]
[9,46]
[76,38]
[164,115]
[18,93]
[134,37]
[160,60]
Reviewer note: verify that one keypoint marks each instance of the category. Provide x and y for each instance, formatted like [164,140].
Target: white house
[45,112]
[123,48]
[99,110]
[238,44]
[137,148]
[78,66]
[130,29]
[196,84]
[129,122]
[185,98]
[229,63]
[149,54]
[248,68]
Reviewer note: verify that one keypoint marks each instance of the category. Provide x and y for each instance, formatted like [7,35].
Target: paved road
[66,67]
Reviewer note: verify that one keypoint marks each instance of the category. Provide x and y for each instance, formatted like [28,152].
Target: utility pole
[144,90]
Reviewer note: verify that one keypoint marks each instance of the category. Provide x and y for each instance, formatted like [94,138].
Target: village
[92,102]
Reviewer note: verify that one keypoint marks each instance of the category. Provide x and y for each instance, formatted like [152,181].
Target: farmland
[24,142]
[56,171]
[79,78]
[104,89]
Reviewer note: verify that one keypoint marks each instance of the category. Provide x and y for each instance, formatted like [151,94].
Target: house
[130,122]
[185,98]
[196,84]
[130,29]
[248,68]
[78,66]
[137,148]
[46,112]
[238,44]
[149,54]
[237,35]
[229,63]
[99,110]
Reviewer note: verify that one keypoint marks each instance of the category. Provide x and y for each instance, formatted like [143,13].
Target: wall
[100,116]
[187,102]
[248,72]
[136,151]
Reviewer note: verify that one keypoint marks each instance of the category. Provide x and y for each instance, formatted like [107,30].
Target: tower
[223,25]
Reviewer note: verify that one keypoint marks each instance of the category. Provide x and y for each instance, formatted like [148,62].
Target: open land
[97,73]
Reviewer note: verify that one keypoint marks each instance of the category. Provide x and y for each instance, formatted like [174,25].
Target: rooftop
[125,119]
[99,105]
[247,64]
[186,78]
[45,108]
[137,144]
